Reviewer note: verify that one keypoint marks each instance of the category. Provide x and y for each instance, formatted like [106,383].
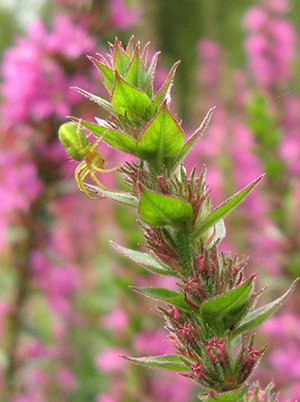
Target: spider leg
[97,169]
[95,178]
[80,173]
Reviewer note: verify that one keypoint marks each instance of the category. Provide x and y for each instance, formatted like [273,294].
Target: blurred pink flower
[43,88]
[19,186]
[109,360]
[278,6]
[65,378]
[57,282]
[105,398]
[171,387]
[255,18]
[152,343]
[116,321]
[270,45]
[210,58]
[121,16]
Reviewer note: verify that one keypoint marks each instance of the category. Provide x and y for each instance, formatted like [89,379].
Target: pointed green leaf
[150,74]
[145,260]
[107,74]
[120,58]
[163,137]
[168,296]
[119,196]
[129,100]
[222,210]
[194,138]
[225,311]
[180,303]
[164,92]
[261,314]
[160,210]
[134,70]
[156,293]
[129,48]
[169,362]
[231,396]
[116,139]
[100,101]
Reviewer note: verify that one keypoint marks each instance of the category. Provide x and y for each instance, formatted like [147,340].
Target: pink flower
[116,321]
[19,186]
[110,361]
[43,88]
[210,57]
[152,343]
[105,398]
[65,378]
[171,387]
[255,19]
[278,6]
[121,16]
[271,46]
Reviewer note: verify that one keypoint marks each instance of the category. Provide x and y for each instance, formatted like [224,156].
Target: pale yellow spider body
[78,148]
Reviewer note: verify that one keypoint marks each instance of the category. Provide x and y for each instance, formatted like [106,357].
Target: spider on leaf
[76,144]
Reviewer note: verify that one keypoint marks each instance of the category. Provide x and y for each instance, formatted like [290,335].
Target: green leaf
[162,137]
[107,74]
[223,209]
[180,303]
[156,293]
[261,314]
[231,396]
[129,100]
[159,210]
[164,92]
[134,70]
[100,101]
[169,362]
[194,138]
[145,260]
[116,139]
[119,196]
[120,59]
[168,296]
[225,311]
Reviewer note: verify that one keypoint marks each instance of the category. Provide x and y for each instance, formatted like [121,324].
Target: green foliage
[231,396]
[261,314]
[225,311]
[161,138]
[169,362]
[222,210]
[214,303]
[128,100]
[159,210]
[146,260]
[116,139]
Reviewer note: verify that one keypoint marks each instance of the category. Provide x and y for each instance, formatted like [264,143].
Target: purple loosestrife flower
[19,186]
[122,16]
[270,45]
[283,331]
[43,88]
[51,233]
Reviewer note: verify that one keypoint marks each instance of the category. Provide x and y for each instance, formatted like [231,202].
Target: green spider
[76,144]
